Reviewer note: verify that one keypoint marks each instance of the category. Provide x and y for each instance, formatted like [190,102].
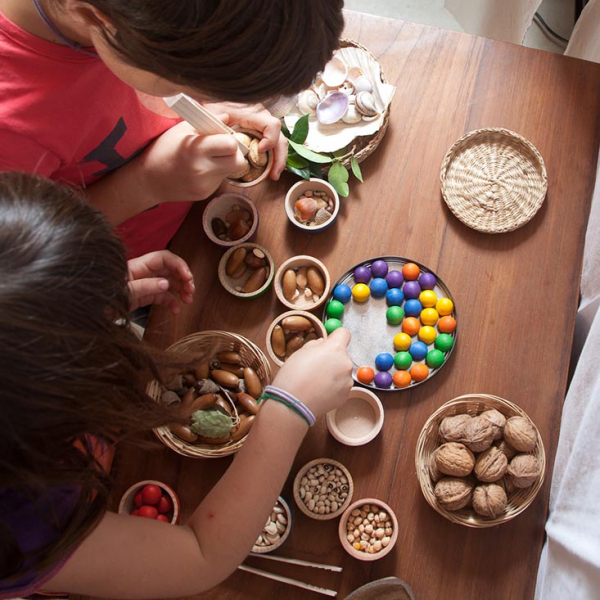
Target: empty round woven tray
[493,180]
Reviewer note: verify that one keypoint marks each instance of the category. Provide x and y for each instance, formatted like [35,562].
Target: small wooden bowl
[474,404]
[264,174]
[334,464]
[230,284]
[127,506]
[342,531]
[359,421]
[312,185]
[319,328]
[220,207]
[302,303]
[284,536]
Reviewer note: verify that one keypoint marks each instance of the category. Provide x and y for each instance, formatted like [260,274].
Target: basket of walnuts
[480,460]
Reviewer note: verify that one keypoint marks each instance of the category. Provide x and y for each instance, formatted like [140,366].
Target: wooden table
[516,293]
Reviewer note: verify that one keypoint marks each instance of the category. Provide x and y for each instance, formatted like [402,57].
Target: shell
[333,108]
[322,216]
[320,89]
[366,104]
[354,73]
[362,84]
[352,115]
[346,88]
[334,73]
[307,102]
[305,208]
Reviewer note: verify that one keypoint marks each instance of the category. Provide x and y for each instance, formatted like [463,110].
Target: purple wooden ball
[379,268]
[411,289]
[427,281]
[383,380]
[362,274]
[395,279]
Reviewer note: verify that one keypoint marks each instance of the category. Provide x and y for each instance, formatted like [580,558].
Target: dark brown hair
[71,366]
[235,50]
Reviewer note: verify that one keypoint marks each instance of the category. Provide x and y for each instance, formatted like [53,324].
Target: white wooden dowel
[289,580]
[297,561]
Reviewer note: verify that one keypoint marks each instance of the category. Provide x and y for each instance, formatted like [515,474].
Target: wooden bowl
[474,404]
[220,207]
[319,329]
[127,503]
[312,185]
[264,174]
[302,302]
[231,284]
[203,346]
[329,466]
[359,421]
[287,513]
[343,532]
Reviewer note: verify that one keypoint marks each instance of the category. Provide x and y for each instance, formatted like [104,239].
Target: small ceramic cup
[303,297]
[265,173]
[298,190]
[274,342]
[239,281]
[230,214]
[281,518]
[359,420]
[128,504]
[376,507]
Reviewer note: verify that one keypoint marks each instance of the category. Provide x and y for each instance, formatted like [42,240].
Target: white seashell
[321,90]
[354,73]
[333,108]
[307,102]
[365,103]
[352,115]
[346,88]
[362,84]
[334,73]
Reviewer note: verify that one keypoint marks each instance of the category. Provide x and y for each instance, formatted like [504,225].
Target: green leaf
[341,187]
[304,173]
[340,153]
[309,154]
[284,129]
[315,170]
[300,132]
[338,178]
[293,160]
[356,168]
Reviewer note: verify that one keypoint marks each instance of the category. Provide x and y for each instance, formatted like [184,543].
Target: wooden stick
[297,561]
[295,582]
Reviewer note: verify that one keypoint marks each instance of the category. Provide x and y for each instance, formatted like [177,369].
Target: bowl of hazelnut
[480,460]
[246,270]
[302,283]
[230,219]
[312,205]
[258,164]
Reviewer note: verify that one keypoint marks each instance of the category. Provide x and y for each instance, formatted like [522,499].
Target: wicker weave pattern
[205,345]
[428,441]
[493,180]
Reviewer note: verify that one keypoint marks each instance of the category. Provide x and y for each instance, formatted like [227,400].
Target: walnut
[489,500]
[454,459]
[497,419]
[520,434]
[452,493]
[491,465]
[524,470]
[507,483]
[452,429]
[509,452]
[434,472]
[479,434]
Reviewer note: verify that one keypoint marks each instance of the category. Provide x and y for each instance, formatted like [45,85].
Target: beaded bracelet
[274,393]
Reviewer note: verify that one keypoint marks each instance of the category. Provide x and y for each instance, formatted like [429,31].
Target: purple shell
[362,274]
[383,380]
[379,268]
[332,108]
[427,281]
[395,279]
[411,289]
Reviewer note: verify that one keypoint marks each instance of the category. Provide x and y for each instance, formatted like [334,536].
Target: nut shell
[452,493]
[520,434]
[489,500]
[524,470]
[497,419]
[479,434]
[434,472]
[505,448]
[491,465]
[452,429]
[454,459]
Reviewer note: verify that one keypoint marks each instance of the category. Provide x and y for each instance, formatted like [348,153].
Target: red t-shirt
[65,115]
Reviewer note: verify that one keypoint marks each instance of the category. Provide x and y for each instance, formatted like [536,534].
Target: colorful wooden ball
[394,279]
[402,341]
[429,316]
[365,375]
[411,326]
[332,324]
[335,309]
[383,380]
[394,297]
[342,292]
[362,274]
[402,360]
[384,361]
[418,350]
[379,268]
[444,342]
[413,307]
[419,372]
[427,281]
[401,379]
[379,287]
[411,289]
[361,292]
[435,358]
[427,334]
[410,271]
[444,306]
[447,325]
[394,315]
[427,298]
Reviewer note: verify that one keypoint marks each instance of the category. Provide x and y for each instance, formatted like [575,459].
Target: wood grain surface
[516,296]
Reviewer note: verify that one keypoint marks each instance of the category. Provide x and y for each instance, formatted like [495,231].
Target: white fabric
[585,41]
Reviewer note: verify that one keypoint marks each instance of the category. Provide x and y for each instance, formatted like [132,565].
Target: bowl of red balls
[152,500]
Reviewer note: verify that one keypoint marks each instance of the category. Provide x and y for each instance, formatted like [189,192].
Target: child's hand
[160,278]
[320,373]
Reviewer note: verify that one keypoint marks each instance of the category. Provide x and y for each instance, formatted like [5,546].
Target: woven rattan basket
[205,345]
[493,180]
[474,404]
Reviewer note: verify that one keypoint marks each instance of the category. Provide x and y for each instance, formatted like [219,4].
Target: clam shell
[333,108]
[362,84]
[346,88]
[334,73]
[307,102]
[352,115]
[366,104]
[354,73]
